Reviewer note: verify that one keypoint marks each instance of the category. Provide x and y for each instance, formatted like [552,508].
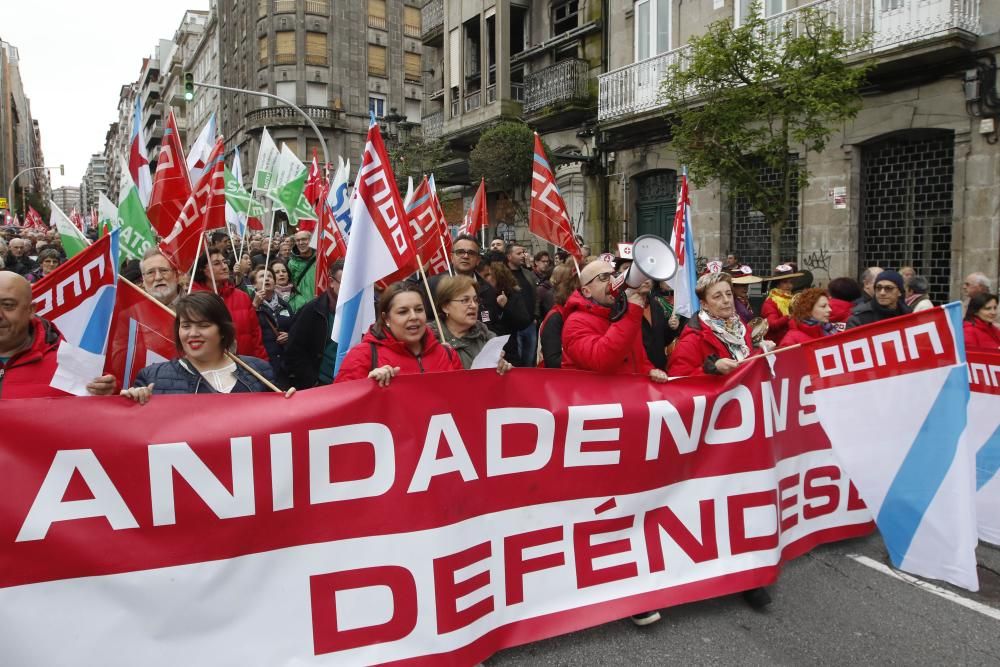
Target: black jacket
[22,265]
[272,322]
[526,280]
[179,377]
[870,312]
[307,339]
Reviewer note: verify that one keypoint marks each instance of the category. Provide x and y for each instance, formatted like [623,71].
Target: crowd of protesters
[251,321]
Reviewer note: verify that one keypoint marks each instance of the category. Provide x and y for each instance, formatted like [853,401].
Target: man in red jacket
[28,346]
[592,341]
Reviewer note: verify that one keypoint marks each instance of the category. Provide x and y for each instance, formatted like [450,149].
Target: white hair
[981,280]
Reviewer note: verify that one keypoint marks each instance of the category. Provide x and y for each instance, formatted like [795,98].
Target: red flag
[331,244]
[204,209]
[171,184]
[93,219]
[74,217]
[256,225]
[141,334]
[34,219]
[477,218]
[548,218]
[425,226]
[314,183]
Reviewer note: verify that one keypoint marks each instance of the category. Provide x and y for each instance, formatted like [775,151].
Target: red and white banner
[984,438]
[435,521]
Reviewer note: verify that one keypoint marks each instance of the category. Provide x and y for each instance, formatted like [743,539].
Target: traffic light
[188,86]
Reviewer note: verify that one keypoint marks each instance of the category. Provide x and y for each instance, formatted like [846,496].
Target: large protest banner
[984,438]
[435,521]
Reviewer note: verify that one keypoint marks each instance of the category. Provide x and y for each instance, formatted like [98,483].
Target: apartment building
[336,59]
[95,182]
[911,181]
[67,198]
[535,62]
[20,138]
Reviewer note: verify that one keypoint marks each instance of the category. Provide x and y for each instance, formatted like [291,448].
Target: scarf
[827,327]
[781,298]
[731,332]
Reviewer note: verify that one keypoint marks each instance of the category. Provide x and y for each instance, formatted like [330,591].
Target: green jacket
[303,275]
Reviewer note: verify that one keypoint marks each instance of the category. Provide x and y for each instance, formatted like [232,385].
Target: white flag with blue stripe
[892,397]
[984,438]
[380,245]
[682,241]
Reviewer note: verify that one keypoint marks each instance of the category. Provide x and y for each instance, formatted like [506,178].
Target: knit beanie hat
[893,277]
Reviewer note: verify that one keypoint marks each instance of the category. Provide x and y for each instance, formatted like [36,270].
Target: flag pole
[194,267]
[447,260]
[208,263]
[430,296]
[234,357]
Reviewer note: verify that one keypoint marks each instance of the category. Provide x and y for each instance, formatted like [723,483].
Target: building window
[321,7]
[376,60]
[565,16]
[262,51]
[412,109]
[315,48]
[411,22]
[411,67]
[284,6]
[284,48]
[316,94]
[376,105]
[376,14]
[652,28]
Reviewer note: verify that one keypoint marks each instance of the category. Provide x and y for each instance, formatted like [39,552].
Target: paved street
[829,610]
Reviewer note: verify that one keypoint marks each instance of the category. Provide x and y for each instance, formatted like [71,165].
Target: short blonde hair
[710,279]
[449,288]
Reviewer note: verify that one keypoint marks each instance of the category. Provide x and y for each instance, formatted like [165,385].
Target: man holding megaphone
[603,320]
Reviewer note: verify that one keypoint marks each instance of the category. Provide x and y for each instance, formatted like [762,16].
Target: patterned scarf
[781,298]
[731,332]
[827,327]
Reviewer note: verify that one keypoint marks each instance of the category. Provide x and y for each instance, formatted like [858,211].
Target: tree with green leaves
[762,95]
[504,156]
[417,158]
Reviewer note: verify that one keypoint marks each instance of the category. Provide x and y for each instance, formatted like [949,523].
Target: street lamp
[13,181]
[396,127]
[215,86]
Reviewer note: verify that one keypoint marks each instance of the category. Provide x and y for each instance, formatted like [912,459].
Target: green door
[656,203]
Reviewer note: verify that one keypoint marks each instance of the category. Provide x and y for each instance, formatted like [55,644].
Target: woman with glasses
[48,261]
[458,307]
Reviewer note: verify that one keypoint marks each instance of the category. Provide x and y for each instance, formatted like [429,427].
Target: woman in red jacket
[809,317]
[779,299]
[715,340]
[214,277]
[400,342]
[980,322]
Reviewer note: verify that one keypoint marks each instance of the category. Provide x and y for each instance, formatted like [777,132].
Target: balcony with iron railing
[432,18]
[282,116]
[564,82]
[432,125]
[892,24]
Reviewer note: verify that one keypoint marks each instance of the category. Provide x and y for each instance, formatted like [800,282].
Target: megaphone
[652,259]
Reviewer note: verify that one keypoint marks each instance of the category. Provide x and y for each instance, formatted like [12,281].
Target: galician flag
[82,314]
[682,241]
[73,240]
[380,244]
[136,233]
[892,397]
[339,199]
[289,193]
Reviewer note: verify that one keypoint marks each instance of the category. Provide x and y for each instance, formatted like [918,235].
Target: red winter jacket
[800,332]
[249,340]
[592,342]
[840,310]
[27,374]
[434,358]
[981,334]
[696,344]
[776,322]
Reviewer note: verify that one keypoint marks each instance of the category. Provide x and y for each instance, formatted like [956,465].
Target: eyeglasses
[601,277]
[886,288]
[466,253]
[466,300]
[149,273]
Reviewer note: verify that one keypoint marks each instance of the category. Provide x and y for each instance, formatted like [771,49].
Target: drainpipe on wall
[605,184]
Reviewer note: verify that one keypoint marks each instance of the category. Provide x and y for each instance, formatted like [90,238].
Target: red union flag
[548,218]
[204,209]
[171,184]
[141,334]
[336,531]
[330,245]
[74,282]
[477,217]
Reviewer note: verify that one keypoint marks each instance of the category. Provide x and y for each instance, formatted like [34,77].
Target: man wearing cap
[779,300]
[595,337]
[888,301]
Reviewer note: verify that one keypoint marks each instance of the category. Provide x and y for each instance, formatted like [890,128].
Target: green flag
[73,240]
[267,162]
[136,236]
[107,212]
[289,195]
[240,199]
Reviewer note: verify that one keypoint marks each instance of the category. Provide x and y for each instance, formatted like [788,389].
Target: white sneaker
[646,618]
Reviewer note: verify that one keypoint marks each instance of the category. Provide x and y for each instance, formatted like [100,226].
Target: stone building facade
[913,180]
[20,136]
[336,59]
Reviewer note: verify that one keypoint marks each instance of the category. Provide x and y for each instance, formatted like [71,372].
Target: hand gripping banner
[435,521]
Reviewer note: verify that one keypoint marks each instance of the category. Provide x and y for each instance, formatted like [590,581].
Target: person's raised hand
[502,300]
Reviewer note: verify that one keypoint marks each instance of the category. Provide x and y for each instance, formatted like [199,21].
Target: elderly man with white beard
[159,278]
